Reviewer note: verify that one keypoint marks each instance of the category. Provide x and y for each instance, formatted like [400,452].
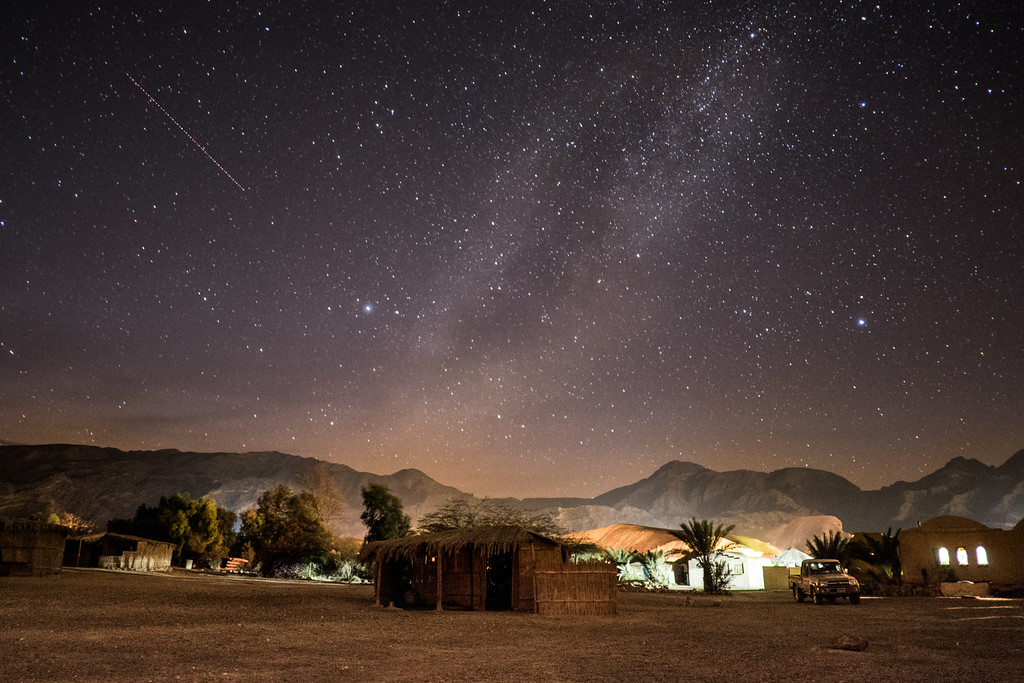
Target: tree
[830,545]
[621,558]
[319,480]
[461,513]
[881,554]
[226,522]
[383,514]
[198,529]
[77,523]
[656,570]
[704,539]
[285,531]
[204,537]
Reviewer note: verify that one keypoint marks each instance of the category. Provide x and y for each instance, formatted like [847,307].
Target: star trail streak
[187,134]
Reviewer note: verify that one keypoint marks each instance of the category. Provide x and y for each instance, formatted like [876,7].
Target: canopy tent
[790,558]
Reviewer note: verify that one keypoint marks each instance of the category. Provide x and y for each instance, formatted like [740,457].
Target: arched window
[961,555]
[982,554]
[943,556]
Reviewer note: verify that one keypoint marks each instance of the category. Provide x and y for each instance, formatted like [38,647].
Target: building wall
[747,572]
[923,562]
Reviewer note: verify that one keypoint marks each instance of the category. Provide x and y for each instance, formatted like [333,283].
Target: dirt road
[99,625]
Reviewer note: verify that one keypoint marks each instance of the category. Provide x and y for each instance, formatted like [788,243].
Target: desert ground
[103,625]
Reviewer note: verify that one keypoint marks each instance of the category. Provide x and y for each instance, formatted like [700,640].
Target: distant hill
[103,483]
[780,507]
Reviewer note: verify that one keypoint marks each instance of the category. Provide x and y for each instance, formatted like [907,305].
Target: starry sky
[530,248]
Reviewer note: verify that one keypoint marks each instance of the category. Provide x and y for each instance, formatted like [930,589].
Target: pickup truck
[824,580]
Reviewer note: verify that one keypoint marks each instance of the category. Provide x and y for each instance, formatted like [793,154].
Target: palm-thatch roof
[489,539]
[99,536]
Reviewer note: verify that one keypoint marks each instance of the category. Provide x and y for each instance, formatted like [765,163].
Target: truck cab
[824,580]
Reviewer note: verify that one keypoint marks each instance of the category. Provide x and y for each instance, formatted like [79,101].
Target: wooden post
[379,567]
[439,581]
[472,578]
[533,556]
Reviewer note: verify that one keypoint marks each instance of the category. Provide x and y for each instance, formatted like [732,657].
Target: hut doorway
[499,582]
[396,584]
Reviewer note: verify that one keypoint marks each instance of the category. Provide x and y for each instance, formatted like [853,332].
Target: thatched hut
[29,548]
[118,551]
[490,568]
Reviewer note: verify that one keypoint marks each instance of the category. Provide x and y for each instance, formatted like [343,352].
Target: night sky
[530,248]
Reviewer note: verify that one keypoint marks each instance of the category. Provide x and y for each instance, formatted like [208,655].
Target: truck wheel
[798,594]
[817,597]
[854,599]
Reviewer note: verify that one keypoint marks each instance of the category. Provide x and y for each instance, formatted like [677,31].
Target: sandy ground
[100,625]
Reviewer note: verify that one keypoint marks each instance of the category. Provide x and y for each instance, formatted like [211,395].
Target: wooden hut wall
[463,581]
[30,548]
[464,575]
[541,579]
[114,551]
[423,583]
[526,560]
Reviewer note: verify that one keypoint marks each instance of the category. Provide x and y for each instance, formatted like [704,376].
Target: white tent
[790,558]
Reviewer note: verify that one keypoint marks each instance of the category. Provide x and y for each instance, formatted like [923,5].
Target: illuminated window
[961,555]
[982,555]
[943,556]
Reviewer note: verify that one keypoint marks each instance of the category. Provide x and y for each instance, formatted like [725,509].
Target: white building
[746,569]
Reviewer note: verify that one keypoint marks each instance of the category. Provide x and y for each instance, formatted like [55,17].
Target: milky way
[529,248]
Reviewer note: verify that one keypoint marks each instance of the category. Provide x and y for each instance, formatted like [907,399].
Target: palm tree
[883,555]
[829,545]
[704,537]
[621,557]
[655,569]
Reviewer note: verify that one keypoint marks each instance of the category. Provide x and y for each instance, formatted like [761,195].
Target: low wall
[963,589]
[776,578]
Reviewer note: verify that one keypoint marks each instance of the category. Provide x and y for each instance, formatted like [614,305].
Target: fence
[585,589]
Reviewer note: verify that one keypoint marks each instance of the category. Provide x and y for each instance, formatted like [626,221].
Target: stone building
[951,549]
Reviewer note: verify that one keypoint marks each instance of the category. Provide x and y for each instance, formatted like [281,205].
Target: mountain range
[783,507]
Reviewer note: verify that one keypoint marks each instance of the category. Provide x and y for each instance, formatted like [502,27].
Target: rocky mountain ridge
[779,507]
